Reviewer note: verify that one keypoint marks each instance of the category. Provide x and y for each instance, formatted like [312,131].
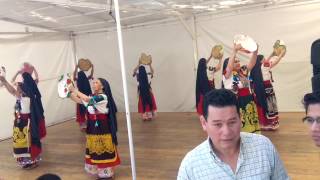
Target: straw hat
[2,73]
[247,43]
[278,47]
[145,59]
[84,64]
[217,51]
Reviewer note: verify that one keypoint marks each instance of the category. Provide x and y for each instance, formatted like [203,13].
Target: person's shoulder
[197,152]
[255,140]
[99,97]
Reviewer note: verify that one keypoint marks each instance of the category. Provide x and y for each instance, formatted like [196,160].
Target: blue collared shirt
[258,160]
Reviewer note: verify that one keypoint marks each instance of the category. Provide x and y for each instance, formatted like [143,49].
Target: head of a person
[221,118]
[260,58]
[28,85]
[236,65]
[202,65]
[101,85]
[105,85]
[97,85]
[83,83]
[49,177]
[311,103]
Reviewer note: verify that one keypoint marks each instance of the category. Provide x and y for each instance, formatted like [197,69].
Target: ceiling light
[200,7]
[224,7]
[211,9]
[230,3]
[14,36]
[182,6]
[45,18]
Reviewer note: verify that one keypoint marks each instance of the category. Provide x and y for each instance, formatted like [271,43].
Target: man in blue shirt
[228,153]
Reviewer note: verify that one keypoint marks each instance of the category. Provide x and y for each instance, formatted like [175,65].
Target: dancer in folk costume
[101,154]
[235,78]
[84,86]
[265,97]
[29,121]
[147,106]
[205,76]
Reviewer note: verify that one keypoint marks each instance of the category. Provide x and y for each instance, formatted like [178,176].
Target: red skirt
[200,106]
[35,150]
[147,109]
[212,84]
[42,125]
[100,148]
[269,118]
[81,118]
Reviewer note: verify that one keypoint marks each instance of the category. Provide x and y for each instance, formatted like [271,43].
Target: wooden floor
[160,146]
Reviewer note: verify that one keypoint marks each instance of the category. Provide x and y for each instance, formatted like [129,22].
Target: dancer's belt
[97,117]
[244,91]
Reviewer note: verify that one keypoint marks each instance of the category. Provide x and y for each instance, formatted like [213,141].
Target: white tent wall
[14,27]
[172,50]
[298,26]
[52,55]
[172,54]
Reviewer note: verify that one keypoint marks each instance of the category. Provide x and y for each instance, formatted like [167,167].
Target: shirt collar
[210,150]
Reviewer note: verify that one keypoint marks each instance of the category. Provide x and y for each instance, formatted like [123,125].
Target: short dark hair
[311,98]
[219,98]
[49,177]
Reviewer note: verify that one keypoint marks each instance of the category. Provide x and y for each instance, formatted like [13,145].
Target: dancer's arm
[232,58]
[75,98]
[75,73]
[218,66]
[91,74]
[15,77]
[9,87]
[277,60]
[152,70]
[79,94]
[135,70]
[36,75]
[253,59]
[208,60]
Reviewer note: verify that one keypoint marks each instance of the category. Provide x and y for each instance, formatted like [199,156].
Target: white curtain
[297,26]
[52,56]
[172,53]
[172,50]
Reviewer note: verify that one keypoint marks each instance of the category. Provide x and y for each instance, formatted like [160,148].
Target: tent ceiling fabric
[90,15]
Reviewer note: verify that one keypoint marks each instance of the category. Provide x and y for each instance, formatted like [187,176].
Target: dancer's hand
[2,79]
[71,88]
[237,47]
[256,51]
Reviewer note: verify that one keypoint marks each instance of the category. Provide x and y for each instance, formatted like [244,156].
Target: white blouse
[97,104]
[266,69]
[25,105]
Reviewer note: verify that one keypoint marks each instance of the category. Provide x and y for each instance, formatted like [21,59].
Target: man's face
[223,126]
[314,112]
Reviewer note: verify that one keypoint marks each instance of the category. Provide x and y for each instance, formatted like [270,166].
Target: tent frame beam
[125,88]
[193,32]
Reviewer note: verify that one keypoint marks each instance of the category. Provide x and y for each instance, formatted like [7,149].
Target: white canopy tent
[52,33]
